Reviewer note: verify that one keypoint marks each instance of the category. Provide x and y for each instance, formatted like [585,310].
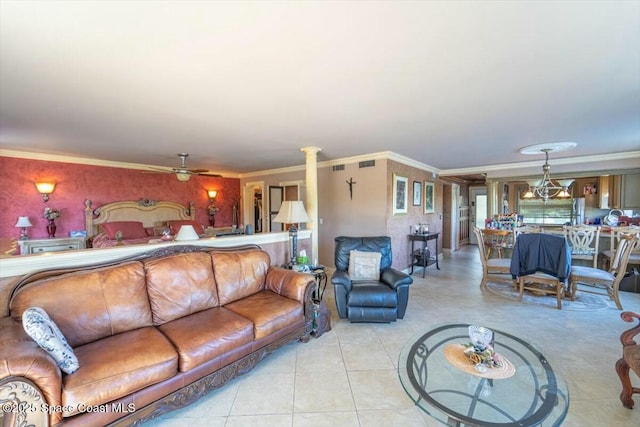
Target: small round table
[534,394]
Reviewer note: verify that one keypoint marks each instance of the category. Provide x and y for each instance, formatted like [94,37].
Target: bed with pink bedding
[136,222]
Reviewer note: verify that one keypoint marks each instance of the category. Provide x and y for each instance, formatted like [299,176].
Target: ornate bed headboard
[150,212]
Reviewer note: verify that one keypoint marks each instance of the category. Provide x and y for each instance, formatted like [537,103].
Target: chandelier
[546,188]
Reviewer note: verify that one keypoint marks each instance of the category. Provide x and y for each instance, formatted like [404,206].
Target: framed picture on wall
[429,197]
[400,197]
[417,193]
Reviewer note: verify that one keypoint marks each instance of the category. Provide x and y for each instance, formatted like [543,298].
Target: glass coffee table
[527,393]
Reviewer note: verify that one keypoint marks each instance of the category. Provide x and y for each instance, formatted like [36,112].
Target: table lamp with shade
[23,223]
[292,212]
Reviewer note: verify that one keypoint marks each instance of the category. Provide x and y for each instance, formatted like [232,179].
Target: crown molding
[381,155]
[600,158]
[92,162]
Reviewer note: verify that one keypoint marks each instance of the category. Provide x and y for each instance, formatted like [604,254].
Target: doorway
[478,210]
[253,206]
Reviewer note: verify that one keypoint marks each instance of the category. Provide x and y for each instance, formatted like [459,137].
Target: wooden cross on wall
[351,182]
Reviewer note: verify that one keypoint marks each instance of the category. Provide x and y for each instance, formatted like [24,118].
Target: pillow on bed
[129,229]
[175,226]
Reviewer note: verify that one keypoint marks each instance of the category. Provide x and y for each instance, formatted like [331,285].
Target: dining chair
[614,239]
[498,239]
[490,266]
[602,279]
[541,264]
[583,241]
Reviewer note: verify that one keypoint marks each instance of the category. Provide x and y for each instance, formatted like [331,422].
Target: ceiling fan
[182,172]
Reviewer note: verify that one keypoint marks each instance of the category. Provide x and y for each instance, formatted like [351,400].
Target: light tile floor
[348,376]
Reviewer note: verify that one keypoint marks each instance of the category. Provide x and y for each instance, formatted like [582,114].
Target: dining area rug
[584,301]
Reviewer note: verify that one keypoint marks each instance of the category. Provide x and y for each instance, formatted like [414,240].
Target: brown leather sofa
[151,334]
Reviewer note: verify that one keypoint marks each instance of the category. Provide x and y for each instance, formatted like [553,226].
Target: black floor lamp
[292,212]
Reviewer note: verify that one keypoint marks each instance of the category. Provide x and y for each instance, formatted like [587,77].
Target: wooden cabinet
[39,246]
[609,192]
[630,191]
[619,191]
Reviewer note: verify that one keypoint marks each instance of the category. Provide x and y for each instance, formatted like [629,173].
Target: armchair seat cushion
[372,294]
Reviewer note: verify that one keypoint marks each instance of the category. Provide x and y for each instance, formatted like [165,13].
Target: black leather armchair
[382,300]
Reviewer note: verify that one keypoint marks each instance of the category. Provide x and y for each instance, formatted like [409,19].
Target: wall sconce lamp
[45,188]
[23,223]
[212,209]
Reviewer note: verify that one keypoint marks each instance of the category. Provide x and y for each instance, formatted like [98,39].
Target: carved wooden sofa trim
[630,359]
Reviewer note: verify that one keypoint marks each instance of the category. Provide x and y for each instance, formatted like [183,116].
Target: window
[554,212]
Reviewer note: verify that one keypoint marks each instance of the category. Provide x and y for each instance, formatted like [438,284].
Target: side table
[322,315]
[39,246]
[421,257]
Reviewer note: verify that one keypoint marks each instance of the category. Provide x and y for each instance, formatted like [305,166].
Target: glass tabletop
[535,395]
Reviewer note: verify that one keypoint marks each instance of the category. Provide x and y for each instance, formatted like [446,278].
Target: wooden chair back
[481,246]
[527,229]
[497,239]
[584,241]
[628,244]
[617,232]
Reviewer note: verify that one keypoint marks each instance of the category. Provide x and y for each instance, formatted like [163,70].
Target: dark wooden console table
[419,256]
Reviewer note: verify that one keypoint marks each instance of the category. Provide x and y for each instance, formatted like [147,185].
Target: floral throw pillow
[39,326]
[364,265]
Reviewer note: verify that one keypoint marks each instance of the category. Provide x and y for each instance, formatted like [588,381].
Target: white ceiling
[241,86]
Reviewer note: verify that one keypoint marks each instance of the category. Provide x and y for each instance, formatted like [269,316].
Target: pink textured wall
[76,183]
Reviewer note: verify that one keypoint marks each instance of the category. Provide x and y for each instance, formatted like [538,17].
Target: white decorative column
[311,181]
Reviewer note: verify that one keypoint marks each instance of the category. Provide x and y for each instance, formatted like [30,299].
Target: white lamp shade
[45,187]
[565,182]
[187,232]
[292,212]
[23,221]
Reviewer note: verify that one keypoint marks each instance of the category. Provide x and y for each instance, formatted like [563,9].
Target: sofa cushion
[113,300]
[206,335]
[268,311]
[39,326]
[239,274]
[180,285]
[118,365]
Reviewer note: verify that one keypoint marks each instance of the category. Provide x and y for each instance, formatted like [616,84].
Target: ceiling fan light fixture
[183,177]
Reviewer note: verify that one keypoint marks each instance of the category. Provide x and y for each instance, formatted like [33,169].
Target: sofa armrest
[289,283]
[394,278]
[22,359]
[341,278]
[627,337]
